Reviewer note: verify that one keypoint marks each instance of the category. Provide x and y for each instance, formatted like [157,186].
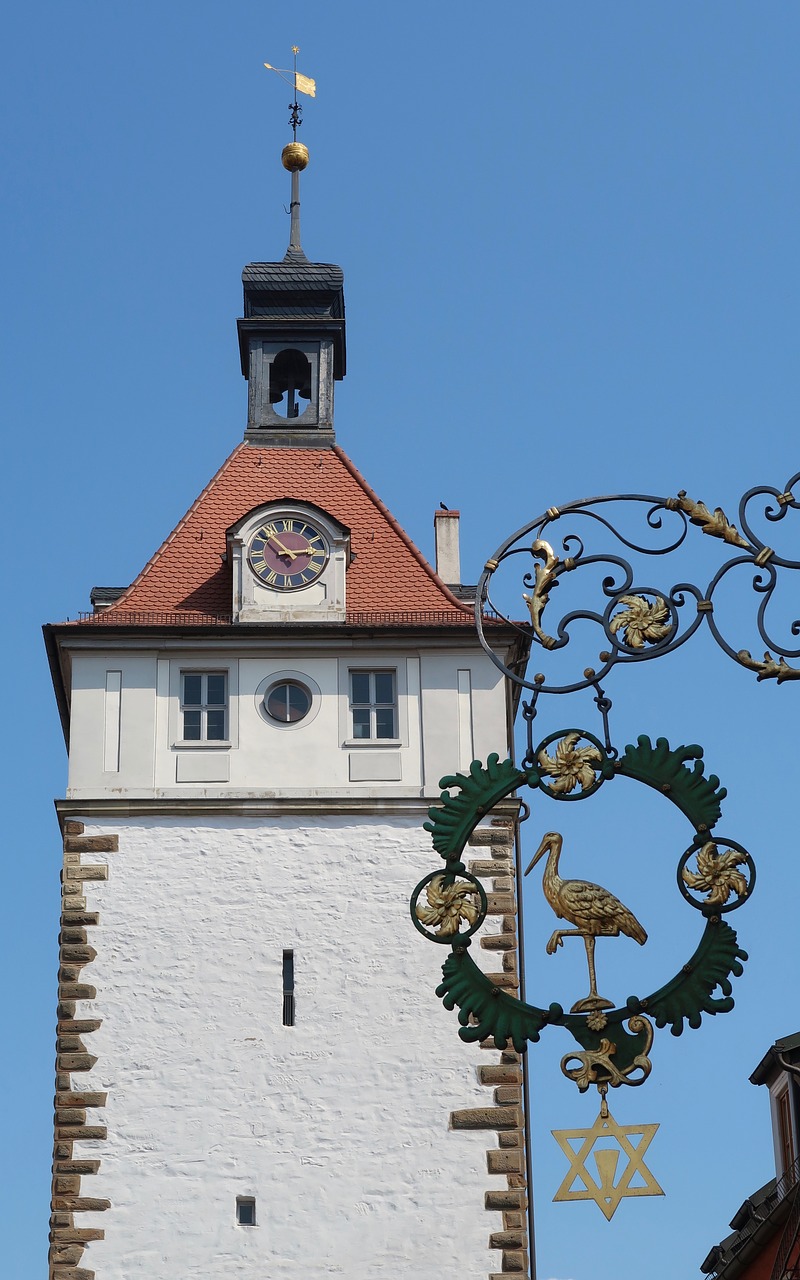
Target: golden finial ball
[294,157]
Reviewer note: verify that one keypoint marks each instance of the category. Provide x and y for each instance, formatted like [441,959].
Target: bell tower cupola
[292,337]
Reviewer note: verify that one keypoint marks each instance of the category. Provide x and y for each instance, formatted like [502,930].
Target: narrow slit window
[288,988]
[246,1211]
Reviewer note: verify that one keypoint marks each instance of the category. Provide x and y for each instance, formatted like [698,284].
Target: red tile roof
[188,581]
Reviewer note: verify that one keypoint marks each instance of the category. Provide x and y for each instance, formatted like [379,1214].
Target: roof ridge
[178,527]
[400,531]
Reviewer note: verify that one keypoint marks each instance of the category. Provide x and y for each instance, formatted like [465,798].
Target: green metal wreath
[611,1052]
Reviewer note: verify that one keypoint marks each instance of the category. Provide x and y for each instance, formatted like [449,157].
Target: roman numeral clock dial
[288,553]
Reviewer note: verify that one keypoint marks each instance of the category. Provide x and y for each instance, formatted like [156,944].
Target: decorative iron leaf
[690,993]
[452,822]
[664,768]
[485,1010]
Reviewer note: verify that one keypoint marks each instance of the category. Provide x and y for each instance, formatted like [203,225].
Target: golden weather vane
[294,156]
[300,84]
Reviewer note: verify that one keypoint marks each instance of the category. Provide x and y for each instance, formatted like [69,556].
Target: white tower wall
[337,1126]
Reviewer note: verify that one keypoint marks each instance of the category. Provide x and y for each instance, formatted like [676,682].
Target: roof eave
[766,1230]
[58,632]
[770,1064]
[53,649]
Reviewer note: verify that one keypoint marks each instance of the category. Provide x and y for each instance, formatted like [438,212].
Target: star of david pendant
[607,1140]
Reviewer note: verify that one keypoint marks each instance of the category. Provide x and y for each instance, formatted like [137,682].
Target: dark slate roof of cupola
[291,288]
[294,297]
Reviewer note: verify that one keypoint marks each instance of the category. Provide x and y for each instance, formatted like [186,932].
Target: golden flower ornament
[571,766]
[716,874]
[448,905]
[643,622]
[595,1021]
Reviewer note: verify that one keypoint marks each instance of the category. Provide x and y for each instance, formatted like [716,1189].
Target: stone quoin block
[500,904]
[66,1254]
[503,884]
[91,844]
[77,953]
[72,1116]
[86,1132]
[81,1235]
[506,1240]
[76,1061]
[504,1161]
[77,1166]
[508,1095]
[95,871]
[75,1099]
[493,1075]
[489,836]
[79,916]
[509,1138]
[499,942]
[505,1200]
[514,1262]
[81,1204]
[508,981]
[489,869]
[486,1118]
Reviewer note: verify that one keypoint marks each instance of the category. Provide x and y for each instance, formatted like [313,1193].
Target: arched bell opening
[290,383]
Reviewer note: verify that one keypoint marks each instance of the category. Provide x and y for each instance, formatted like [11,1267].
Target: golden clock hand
[286,550]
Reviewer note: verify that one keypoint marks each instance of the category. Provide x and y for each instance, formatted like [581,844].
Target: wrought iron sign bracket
[637,621]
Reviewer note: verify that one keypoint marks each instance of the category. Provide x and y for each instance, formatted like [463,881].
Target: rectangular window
[785,1134]
[373,704]
[204,706]
[288,988]
[245,1211]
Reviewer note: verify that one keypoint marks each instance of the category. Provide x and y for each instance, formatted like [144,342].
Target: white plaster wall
[137,722]
[440,711]
[263,759]
[339,1125]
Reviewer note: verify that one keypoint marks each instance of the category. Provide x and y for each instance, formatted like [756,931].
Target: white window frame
[204,706]
[190,666]
[785,1129]
[373,705]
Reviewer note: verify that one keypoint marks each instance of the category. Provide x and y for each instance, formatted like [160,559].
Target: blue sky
[569,240]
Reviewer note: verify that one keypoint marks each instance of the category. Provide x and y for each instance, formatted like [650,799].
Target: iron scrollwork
[638,621]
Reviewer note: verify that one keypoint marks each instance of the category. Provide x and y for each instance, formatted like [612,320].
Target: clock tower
[253,1075]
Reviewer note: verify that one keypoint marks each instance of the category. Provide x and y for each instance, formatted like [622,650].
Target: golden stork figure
[594,911]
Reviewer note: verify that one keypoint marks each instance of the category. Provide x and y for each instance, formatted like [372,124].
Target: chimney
[448,555]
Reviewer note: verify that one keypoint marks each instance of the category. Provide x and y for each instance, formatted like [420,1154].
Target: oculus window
[287,701]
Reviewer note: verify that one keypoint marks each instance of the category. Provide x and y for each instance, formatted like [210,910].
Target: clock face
[288,553]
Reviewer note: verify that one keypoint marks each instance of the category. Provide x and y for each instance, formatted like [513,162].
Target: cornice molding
[238,806]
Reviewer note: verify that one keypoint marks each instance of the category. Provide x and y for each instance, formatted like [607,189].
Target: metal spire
[294,156]
[295,110]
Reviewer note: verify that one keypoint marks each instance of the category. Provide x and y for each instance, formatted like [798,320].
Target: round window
[287,702]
